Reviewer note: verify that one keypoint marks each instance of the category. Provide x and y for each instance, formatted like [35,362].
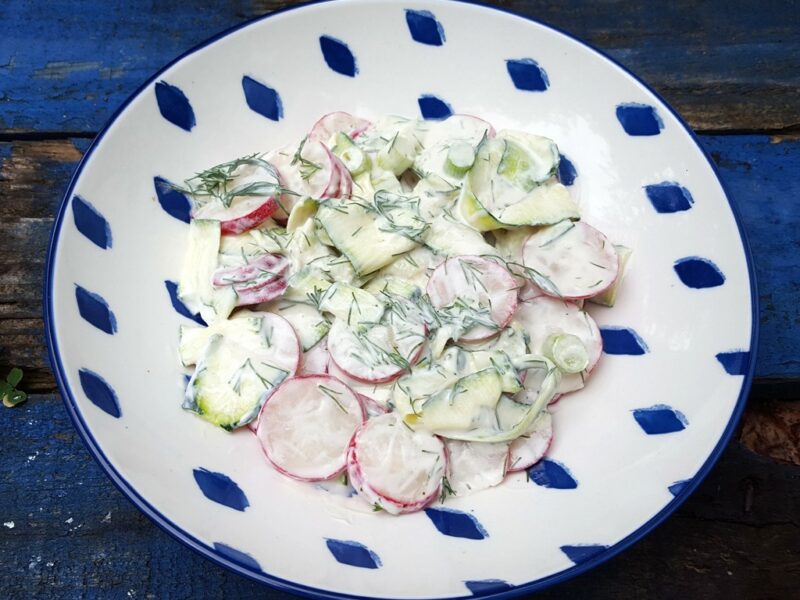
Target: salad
[394,302]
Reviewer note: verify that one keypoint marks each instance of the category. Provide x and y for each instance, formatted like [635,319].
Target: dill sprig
[217,182]
[307,168]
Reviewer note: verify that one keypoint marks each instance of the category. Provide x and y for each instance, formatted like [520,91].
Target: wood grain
[728,67]
[75,536]
[723,65]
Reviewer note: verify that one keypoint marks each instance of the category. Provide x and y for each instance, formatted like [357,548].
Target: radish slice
[378,394]
[377,355]
[475,466]
[306,425]
[261,280]
[570,260]
[395,468]
[545,316]
[345,179]
[242,215]
[315,361]
[307,170]
[478,295]
[531,446]
[337,122]
[251,196]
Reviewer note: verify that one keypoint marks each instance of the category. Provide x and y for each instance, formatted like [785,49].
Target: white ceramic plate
[628,448]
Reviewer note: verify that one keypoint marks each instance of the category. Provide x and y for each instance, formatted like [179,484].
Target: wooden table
[731,68]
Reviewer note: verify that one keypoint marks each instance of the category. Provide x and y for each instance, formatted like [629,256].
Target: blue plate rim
[308,591]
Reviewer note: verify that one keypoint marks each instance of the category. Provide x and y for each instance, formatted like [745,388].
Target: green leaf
[14,398]
[14,377]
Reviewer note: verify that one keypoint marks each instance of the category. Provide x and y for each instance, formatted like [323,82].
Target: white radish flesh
[395,468]
[377,393]
[531,446]
[249,210]
[306,425]
[377,355]
[261,280]
[315,361]
[475,466]
[570,260]
[329,125]
[545,316]
[472,284]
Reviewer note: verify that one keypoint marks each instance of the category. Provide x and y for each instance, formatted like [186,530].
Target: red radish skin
[339,338]
[372,407]
[359,480]
[359,388]
[302,179]
[263,290]
[526,452]
[561,316]
[490,132]
[250,220]
[337,122]
[566,251]
[448,283]
[286,393]
[360,377]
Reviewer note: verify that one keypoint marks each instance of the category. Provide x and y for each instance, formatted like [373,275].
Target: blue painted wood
[81,64]
[76,536]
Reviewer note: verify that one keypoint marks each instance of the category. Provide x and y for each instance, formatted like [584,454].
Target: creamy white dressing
[399,270]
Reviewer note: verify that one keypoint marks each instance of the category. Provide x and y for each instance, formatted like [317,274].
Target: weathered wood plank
[760,172]
[723,65]
[75,536]
[761,175]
